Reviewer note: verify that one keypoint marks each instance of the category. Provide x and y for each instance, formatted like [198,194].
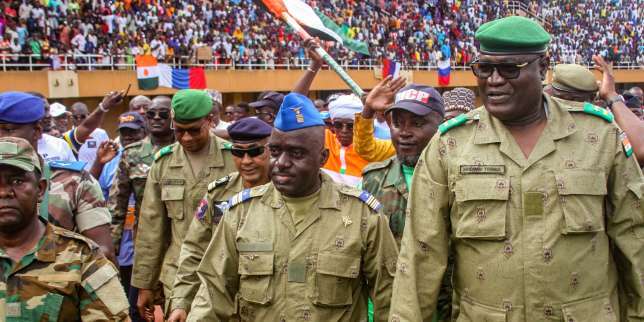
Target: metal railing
[124,62]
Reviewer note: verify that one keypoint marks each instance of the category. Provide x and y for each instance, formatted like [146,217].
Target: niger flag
[147,72]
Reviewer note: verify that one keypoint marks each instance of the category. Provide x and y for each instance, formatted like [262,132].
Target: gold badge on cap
[299,117]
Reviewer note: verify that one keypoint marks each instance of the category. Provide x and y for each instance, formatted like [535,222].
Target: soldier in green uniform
[520,188]
[249,136]
[48,273]
[74,200]
[301,247]
[177,181]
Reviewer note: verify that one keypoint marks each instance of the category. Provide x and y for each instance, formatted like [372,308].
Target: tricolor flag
[390,67]
[443,72]
[181,78]
[147,72]
[304,15]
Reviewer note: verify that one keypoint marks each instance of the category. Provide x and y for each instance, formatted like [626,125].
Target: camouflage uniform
[130,179]
[66,278]
[171,196]
[386,182]
[74,199]
[194,245]
[260,266]
[533,238]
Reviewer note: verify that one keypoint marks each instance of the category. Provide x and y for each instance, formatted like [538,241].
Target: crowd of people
[405,204]
[412,32]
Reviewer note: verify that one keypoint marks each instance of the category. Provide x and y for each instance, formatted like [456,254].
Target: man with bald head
[301,247]
[139,104]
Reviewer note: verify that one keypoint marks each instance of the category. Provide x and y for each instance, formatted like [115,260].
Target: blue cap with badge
[21,108]
[297,112]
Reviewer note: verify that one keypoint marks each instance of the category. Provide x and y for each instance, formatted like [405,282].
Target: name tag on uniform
[482,169]
[14,310]
[173,182]
[297,272]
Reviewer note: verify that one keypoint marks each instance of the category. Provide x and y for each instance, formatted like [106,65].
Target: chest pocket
[255,270]
[581,196]
[49,307]
[482,205]
[172,197]
[334,279]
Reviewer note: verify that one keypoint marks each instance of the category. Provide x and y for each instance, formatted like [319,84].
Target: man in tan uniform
[249,136]
[302,247]
[176,183]
[540,197]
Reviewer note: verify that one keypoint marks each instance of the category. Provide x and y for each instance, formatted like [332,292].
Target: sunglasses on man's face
[79,117]
[161,114]
[506,70]
[340,126]
[252,152]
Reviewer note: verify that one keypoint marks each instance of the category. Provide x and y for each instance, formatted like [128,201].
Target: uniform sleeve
[625,227]
[366,145]
[102,297]
[91,210]
[424,247]
[151,244]
[186,282]
[379,263]
[218,274]
[119,199]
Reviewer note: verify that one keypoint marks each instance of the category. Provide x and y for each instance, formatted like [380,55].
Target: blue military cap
[297,112]
[249,129]
[21,108]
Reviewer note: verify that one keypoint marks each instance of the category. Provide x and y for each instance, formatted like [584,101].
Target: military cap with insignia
[249,129]
[297,112]
[512,35]
[189,105]
[21,108]
[573,78]
[19,153]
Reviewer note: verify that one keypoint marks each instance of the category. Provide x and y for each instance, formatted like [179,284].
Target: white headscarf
[345,107]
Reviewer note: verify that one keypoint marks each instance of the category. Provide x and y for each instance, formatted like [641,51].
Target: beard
[409,160]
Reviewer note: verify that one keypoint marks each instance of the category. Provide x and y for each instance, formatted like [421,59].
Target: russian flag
[390,67]
[182,78]
[443,72]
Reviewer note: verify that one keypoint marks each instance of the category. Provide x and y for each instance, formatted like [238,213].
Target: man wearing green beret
[537,198]
[176,182]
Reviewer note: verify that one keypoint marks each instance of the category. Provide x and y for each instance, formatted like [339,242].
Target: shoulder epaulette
[364,196]
[246,195]
[76,166]
[225,145]
[452,123]
[163,152]
[376,165]
[593,110]
[218,183]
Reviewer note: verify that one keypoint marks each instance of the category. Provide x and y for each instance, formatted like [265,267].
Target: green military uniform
[262,265]
[130,178]
[74,200]
[386,182]
[171,196]
[64,278]
[532,238]
[207,216]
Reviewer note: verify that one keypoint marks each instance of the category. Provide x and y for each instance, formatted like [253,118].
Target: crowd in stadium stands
[417,32]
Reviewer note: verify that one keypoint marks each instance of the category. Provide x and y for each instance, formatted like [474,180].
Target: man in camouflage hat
[249,136]
[48,273]
[302,248]
[518,189]
[176,182]
[74,200]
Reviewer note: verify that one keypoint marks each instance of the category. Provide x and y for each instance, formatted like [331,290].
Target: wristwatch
[611,101]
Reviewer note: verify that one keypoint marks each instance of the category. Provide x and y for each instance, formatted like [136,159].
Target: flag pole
[327,58]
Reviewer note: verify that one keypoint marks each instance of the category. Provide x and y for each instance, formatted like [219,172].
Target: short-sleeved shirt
[86,152]
[52,148]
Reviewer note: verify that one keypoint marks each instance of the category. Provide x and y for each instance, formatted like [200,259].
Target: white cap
[345,107]
[57,109]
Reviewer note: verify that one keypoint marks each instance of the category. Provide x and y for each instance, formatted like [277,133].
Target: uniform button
[574,281]
[547,255]
[548,311]
[507,306]
[480,275]
[507,249]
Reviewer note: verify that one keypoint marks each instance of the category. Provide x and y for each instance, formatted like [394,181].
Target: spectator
[86,150]
[60,117]
[267,105]
[139,104]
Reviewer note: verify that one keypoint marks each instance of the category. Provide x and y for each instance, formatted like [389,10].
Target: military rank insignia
[370,200]
[626,144]
[299,117]
[201,209]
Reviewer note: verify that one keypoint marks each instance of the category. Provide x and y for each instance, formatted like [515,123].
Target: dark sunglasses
[506,70]
[161,114]
[252,152]
[340,126]
[79,117]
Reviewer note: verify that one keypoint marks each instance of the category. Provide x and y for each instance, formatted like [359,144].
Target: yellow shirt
[366,145]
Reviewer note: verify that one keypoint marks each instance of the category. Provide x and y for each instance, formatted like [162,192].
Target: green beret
[190,105]
[512,35]
[573,78]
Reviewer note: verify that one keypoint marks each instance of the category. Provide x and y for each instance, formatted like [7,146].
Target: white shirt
[52,148]
[222,125]
[87,152]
